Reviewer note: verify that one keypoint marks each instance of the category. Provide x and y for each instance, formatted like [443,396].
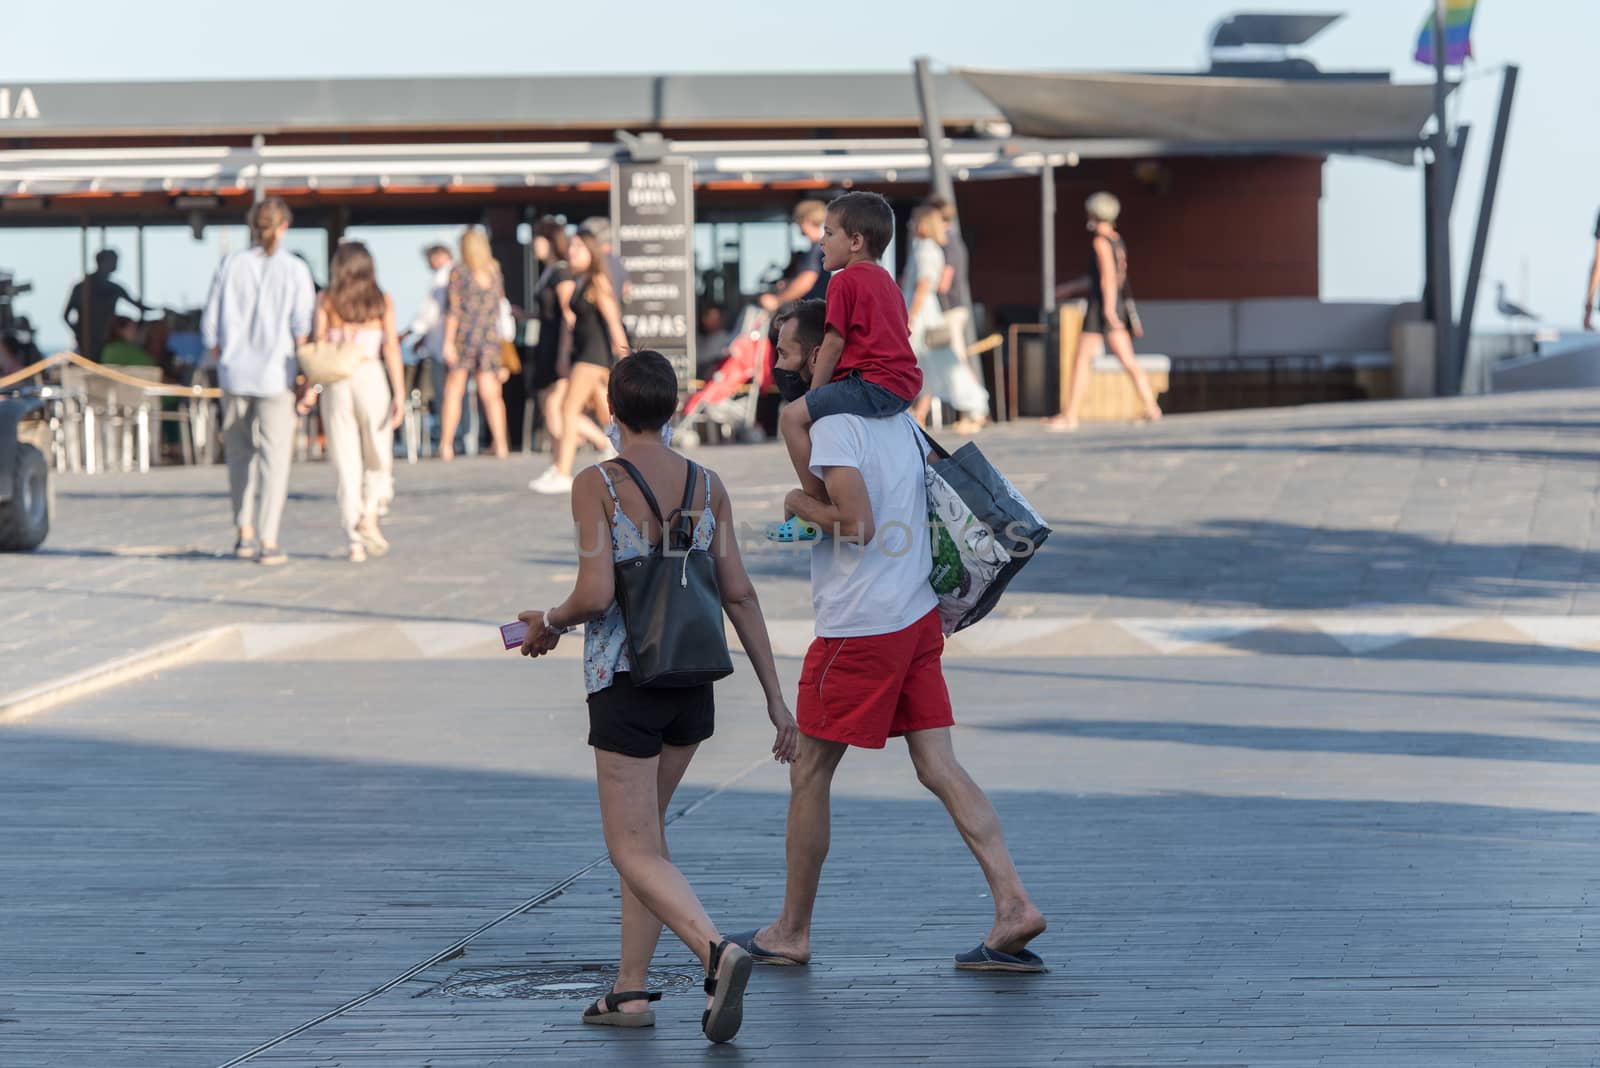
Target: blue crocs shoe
[793,529]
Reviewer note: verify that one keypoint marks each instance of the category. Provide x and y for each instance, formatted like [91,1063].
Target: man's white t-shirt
[883,587]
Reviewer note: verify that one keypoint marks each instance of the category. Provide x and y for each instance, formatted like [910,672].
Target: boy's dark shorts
[854,396]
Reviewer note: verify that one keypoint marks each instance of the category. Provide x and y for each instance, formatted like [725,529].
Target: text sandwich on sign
[652,214]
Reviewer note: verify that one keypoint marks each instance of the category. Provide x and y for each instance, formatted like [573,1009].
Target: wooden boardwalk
[1264,860]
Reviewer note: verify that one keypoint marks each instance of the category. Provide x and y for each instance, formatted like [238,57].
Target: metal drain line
[459,944]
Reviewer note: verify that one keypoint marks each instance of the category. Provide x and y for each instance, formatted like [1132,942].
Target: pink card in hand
[513,634]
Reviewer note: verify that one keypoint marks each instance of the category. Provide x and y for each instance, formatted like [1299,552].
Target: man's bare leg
[1016,920]
[805,847]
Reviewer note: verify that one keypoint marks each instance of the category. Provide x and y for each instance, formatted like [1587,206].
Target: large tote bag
[671,605]
[982,532]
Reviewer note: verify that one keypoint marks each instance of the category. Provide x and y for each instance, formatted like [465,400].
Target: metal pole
[140,280]
[83,342]
[932,130]
[260,185]
[1047,230]
[1447,375]
[1480,239]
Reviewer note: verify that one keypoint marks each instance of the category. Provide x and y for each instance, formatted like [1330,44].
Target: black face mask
[791,384]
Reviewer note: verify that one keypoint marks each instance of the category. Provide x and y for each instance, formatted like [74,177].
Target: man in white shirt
[427,329]
[874,671]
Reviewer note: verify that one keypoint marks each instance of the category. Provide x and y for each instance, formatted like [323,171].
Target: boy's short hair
[867,214]
[810,319]
[810,211]
[643,391]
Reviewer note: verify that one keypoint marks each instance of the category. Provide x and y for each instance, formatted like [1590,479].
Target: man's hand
[305,398]
[769,301]
[1588,317]
[787,745]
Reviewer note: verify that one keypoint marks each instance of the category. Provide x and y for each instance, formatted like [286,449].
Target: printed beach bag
[982,533]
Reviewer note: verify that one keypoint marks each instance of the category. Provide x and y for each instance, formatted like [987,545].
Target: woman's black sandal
[721,1021]
[611,1016]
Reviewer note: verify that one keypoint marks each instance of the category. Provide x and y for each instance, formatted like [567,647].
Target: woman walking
[945,375]
[552,304]
[597,342]
[1110,321]
[644,737]
[360,412]
[258,313]
[472,341]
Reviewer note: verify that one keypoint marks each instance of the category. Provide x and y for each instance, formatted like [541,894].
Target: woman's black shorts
[637,721]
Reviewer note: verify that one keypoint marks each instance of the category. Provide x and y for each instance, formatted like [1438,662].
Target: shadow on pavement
[147,884]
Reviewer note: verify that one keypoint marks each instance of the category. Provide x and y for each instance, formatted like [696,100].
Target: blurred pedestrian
[807,280]
[597,343]
[259,311]
[552,362]
[644,736]
[360,413]
[472,341]
[945,376]
[94,301]
[599,228]
[1111,320]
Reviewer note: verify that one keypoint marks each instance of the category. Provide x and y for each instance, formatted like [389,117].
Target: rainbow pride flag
[1457,33]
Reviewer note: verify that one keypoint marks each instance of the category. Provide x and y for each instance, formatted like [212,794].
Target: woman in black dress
[552,306]
[596,341]
[1110,320]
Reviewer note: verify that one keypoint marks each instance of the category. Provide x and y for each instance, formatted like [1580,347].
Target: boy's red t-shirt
[869,312]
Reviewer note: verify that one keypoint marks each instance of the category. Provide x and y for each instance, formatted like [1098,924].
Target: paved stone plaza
[1317,842]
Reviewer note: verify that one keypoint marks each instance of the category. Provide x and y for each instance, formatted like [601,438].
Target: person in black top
[1111,318]
[552,307]
[93,302]
[807,280]
[597,342]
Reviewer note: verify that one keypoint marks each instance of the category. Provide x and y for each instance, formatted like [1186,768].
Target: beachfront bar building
[1220,176]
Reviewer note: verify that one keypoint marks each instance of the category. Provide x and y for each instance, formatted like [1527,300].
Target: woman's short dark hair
[643,391]
[867,214]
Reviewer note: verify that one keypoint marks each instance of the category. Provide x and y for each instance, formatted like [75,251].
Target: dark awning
[1325,116]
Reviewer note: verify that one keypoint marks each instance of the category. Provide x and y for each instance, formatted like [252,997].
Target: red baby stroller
[724,409]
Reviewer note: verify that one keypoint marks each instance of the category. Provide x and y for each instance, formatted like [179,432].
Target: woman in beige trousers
[359,413]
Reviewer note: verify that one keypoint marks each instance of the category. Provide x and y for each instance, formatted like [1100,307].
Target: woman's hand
[397,411]
[539,639]
[450,355]
[787,745]
[620,349]
[306,399]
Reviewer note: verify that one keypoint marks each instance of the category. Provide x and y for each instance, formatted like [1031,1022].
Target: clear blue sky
[1371,234]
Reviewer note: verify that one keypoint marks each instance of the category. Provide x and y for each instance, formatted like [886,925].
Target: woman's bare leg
[1121,344]
[641,928]
[630,813]
[585,382]
[455,389]
[494,410]
[1082,368]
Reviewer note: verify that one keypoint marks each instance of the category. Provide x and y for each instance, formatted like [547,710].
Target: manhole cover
[563,982]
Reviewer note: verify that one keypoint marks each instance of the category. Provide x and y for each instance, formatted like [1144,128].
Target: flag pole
[1447,375]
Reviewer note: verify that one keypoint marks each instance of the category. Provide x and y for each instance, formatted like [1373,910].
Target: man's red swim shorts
[864,691]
